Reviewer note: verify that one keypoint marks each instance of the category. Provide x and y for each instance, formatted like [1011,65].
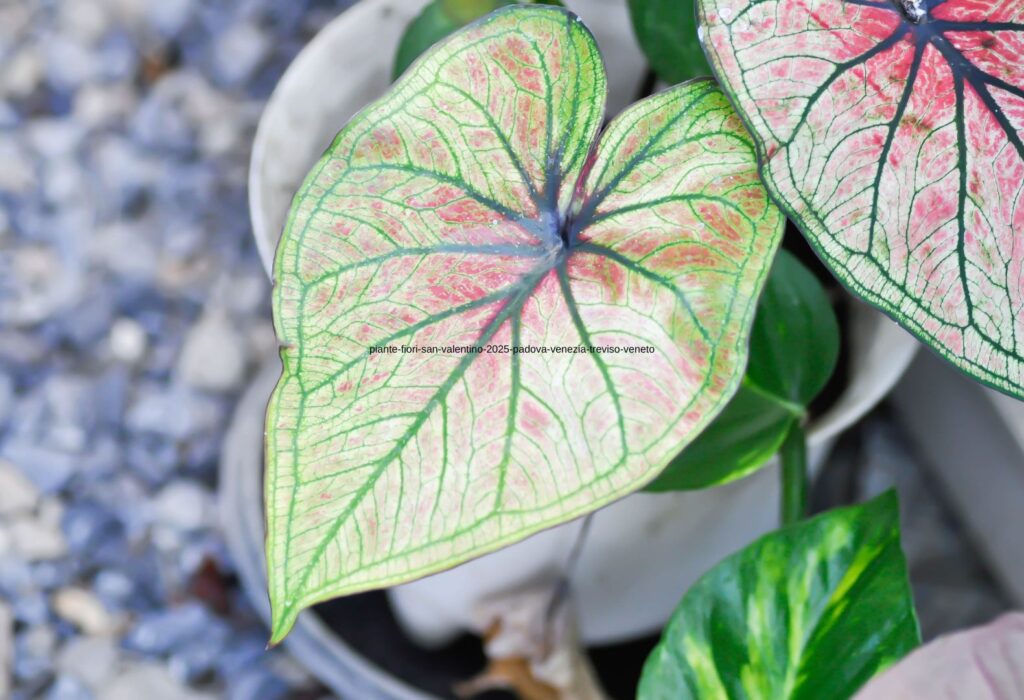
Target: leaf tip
[283,615]
[282,621]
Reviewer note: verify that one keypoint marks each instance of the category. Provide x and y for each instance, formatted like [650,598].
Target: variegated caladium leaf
[809,612]
[890,132]
[490,324]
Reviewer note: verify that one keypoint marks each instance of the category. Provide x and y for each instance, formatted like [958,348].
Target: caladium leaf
[889,131]
[439,19]
[809,612]
[667,33]
[985,663]
[466,209]
[794,347]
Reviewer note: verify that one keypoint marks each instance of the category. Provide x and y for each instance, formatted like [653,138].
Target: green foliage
[667,32]
[794,346]
[810,612]
[794,343]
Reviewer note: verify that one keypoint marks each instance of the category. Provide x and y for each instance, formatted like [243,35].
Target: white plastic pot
[643,551]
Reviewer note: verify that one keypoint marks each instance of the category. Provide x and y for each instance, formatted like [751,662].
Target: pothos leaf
[794,346]
[439,19]
[667,33]
[466,210]
[809,612]
[889,131]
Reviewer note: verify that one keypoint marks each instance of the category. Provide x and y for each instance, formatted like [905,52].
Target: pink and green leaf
[469,207]
[890,132]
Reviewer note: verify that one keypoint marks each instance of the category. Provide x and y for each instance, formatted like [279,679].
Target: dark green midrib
[840,70]
[505,145]
[513,404]
[632,266]
[894,124]
[525,222]
[409,330]
[966,73]
[518,251]
[669,199]
[581,329]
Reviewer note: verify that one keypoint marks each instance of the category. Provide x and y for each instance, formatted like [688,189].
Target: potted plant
[518,210]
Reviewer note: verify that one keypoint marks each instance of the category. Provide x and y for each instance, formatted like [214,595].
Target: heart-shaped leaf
[794,346]
[985,663]
[889,131]
[488,328]
[667,33]
[809,612]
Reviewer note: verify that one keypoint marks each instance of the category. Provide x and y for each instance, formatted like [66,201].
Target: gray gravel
[132,311]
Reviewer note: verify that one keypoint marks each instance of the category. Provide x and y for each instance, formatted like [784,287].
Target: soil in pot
[368,626]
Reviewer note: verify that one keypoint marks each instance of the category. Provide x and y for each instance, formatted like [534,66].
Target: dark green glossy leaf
[794,346]
[439,19]
[667,32]
[739,441]
[810,612]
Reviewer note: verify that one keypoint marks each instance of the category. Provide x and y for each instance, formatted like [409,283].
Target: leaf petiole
[793,455]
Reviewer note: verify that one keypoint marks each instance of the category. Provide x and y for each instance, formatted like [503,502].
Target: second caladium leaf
[890,132]
[470,209]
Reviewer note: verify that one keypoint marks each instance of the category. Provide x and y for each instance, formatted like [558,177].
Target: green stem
[793,455]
